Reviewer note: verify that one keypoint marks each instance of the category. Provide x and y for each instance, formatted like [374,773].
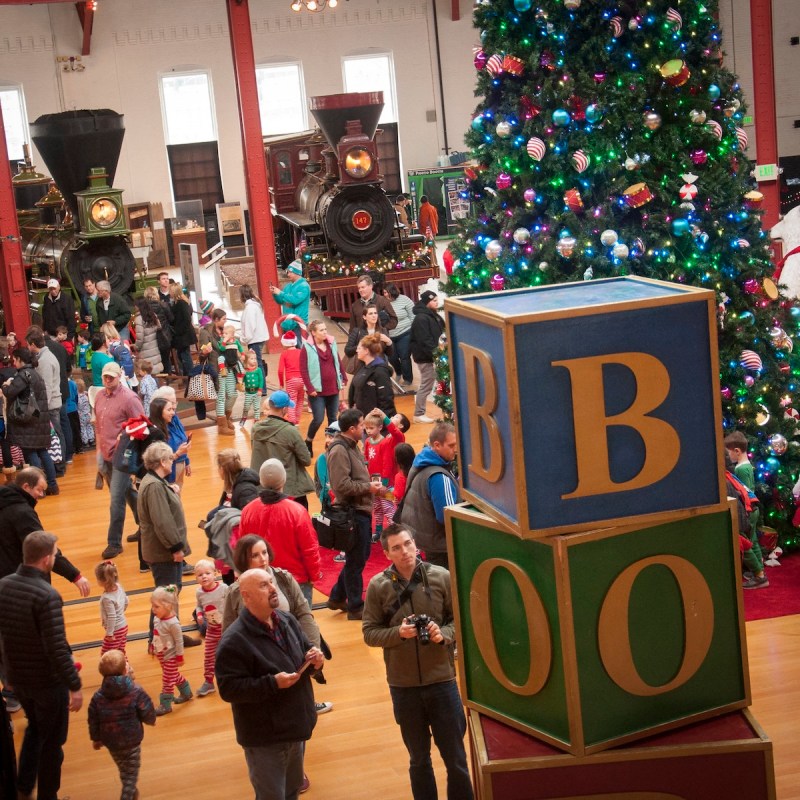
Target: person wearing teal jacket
[294,297]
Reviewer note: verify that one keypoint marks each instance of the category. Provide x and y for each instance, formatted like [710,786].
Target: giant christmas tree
[609,141]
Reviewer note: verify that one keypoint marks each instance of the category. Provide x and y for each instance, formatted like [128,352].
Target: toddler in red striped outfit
[290,377]
[168,647]
[113,603]
[211,594]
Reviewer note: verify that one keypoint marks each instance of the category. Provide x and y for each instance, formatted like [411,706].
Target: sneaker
[134,537]
[13,704]
[112,551]
[337,605]
[340,558]
[187,568]
[357,614]
[424,420]
[322,708]
[205,689]
[756,583]
[52,490]
[144,568]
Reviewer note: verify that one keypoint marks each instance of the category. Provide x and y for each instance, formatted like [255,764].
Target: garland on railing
[334,267]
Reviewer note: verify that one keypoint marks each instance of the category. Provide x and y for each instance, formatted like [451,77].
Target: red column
[764,104]
[255,166]
[13,290]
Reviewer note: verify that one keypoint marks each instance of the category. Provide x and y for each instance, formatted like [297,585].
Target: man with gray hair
[387,316]
[285,524]
[112,306]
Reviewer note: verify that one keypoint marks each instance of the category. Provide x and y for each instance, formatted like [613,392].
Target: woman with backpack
[31,432]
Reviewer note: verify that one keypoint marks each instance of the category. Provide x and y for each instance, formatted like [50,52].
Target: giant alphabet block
[587,403]
[594,639]
[720,759]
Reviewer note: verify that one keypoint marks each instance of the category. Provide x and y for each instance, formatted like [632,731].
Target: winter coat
[118,311]
[246,488]
[117,711]
[60,311]
[294,298]
[386,313]
[286,525]
[371,388]
[183,332]
[161,520]
[18,518]
[35,434]
[357,334]
[254,325]
[275,437]
[428,218]
[348,474]
[37,654]
[247,661]
[426,329]
[147,343]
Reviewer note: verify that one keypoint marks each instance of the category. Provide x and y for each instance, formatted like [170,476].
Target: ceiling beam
[86,16]
[455,10]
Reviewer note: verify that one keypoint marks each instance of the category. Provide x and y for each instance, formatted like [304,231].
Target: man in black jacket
[426,329]
[39,662]
[261,671]
[58,309]
[112,306]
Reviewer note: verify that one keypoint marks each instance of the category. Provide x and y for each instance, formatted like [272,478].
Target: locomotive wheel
[358,220]
[107,259]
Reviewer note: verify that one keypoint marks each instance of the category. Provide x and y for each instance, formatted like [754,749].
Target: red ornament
[547,61]
[479,58]
[497,282]
[527,108]
[699,157]
[513,65]
[573,200]
[577,107]
[688,192]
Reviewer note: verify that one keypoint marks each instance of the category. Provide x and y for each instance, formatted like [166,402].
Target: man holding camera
[409,612]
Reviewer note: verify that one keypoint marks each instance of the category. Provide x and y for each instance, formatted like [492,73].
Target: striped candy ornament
[751,360]
[513,65]
[673,16]
[741,137]
[715,128]
[616,27]
[742,243]
[494,66]
[580,160]
[536,148]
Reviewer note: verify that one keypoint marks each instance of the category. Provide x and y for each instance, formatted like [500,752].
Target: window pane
[14,122]
[281,98]
[372,74]
[187,108]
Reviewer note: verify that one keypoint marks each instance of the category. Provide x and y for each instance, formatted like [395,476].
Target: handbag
[55,447]
[201,387]
[24,407]
[336,527]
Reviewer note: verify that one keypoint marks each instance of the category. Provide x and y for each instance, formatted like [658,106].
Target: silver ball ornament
[620,250]
[503,129]
[778,443]
[609,238]
[493,250]
[521,235]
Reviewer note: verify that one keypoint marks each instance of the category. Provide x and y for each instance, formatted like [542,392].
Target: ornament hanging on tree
[594,113]
[580,160]
[715,128]
[494,66]
[503,129]
[522,235]
[561,117]
[572,5]
[688,191]
[616,27]
[634,23]
[675,72]
[529,195]
[543,266]
[751,360]
[637,195]
[522,5]
[577,108]
[680,227]
[674,18]
[547,61]
[713,92]
[588,274]
[513,65]
[503,181]
[479,58]
[697,116]
[528,108]
[565,246]
[620,250]
[631,164]
[609,238]
[573,200]
[778,443]
[732,108]
[741,138]
[493,249]
[753,200]
[536,148]
[497,282]
[652,120]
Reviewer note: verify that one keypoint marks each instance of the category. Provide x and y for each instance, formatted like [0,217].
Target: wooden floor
[356,751]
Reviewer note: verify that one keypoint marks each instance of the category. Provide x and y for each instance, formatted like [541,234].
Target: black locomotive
[72,144]
[327,191]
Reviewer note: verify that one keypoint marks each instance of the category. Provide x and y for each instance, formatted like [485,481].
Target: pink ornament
[688,192]
[503,181]
[741,137]
[497,282]
[529,195]
[749,380]
[726,393]
[675,18]
[494,66]
[751,286]
[580,160]
[536,148]
[699,157]
[616,27]
[715,128]
[599,77]
[479,58]
[742,243]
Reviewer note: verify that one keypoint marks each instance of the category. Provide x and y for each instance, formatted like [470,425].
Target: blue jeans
[257,348]
[322,404]
[42,750]
[185,357]
[422,711]
[400,356]
[307,590]
[66,430]
[165,573]
[119,485]
[276,770]
[350,585]
[41,459]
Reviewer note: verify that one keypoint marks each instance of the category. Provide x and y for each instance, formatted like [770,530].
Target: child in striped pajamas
[116,714]
[231,371]
[211,595]
[253,387]
[168,647]
[290,377]
[113,603]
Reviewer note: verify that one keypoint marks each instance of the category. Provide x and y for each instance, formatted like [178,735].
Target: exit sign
[747,119]
[766,172]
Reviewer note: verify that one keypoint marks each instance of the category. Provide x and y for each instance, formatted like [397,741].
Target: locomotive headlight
[358,162]
[104,212]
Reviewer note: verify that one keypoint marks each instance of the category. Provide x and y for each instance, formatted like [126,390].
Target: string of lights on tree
[610,141]
[324,266]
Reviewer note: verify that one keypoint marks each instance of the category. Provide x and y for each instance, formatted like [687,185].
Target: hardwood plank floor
[356,751]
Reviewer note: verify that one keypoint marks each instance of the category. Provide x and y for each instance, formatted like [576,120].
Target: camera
[420,622]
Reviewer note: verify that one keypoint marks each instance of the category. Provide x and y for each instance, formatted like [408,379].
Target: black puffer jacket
[18,518]
[371,387]
[426,329]
[35,645]
[246,488]
[35,435]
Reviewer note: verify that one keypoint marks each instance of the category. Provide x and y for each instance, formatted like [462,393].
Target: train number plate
[362,220]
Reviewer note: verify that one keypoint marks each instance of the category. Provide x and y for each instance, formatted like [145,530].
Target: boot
[231,426]
[310,446]
[9,472]
[222,427]
[165,704]
[186,693]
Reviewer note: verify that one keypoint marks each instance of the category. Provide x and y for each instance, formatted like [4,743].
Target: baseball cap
[112,368]
[333,428]
[53,284]
[426,297]
[280,399]
[296,267]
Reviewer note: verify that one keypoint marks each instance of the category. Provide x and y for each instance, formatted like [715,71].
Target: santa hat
[289,339]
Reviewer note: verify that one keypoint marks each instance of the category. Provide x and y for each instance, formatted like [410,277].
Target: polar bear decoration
[788,231]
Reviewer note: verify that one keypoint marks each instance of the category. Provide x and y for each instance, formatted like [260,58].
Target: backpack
[138,433]
[219,531]
[123,357]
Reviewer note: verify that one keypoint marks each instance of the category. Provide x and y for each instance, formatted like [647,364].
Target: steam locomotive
[69,231]
[326,189]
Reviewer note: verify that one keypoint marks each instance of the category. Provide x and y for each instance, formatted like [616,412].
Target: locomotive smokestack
[333,111]
[73,142]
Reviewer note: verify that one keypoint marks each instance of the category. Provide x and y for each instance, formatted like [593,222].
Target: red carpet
[782,597]
[330,569]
